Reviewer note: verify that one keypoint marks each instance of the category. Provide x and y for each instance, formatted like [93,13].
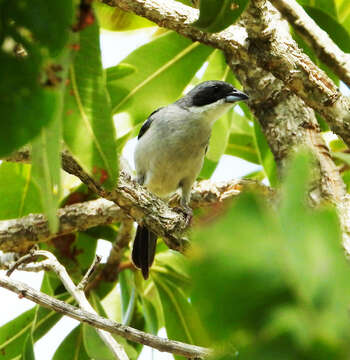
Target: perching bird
[170,151]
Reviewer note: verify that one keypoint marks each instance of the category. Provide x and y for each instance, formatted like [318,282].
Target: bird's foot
[187,211]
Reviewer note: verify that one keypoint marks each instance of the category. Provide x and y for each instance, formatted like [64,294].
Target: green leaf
[158,80]
[119,71]
[46,319]
[94,346]
[19,194]
[266,157]
[114,19]
[44,18]
[97,349]
[88,125]
[28,348]
[279,275]
[181,319]
[14,333]
[127,290]
[72,345]
[215,16]
[85,247]
[242,146]
[334,29]
[344,157]
[25,79]
[46,167]
[150,313]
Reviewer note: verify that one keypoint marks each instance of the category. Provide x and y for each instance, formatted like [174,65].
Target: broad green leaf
[14,333]
[334,29]
[287,276]
[114,19]
[88,125]
[266,157]
[85,246]
[158,80]
[43,19]
[175,267]
[181,319]
[73,345]
[91,334]
[240,125]
[97,349]
[119,71]
[128,295]
[242,146]
[94,346]
[46,167]
[28,348]
[344,157]
[28,80]
[19,194]
[215,15]
[46,319]
[327,6]
[150,313]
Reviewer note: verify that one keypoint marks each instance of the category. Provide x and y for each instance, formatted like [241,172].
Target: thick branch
[280,56]
[326,50]
[20,234]
[161,344]
[287,122]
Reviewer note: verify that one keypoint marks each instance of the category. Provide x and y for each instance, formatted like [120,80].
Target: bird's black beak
[236,96]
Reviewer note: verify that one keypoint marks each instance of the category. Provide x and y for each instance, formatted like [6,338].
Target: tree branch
[324,47]
[76,291]
[129,333]
[286,121]
[20,234]
[267,49]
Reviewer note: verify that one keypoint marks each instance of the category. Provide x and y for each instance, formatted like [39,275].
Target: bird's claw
[187,211]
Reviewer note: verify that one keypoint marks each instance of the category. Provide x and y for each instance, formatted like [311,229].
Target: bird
[170,151]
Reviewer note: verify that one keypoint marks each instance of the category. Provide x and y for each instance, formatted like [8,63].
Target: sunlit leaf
[72,344]
[215,15]
[19,194]
[88,125]
[30,24]
[46,167]
[266,157]
[158,80]
[114,19]
[181,320]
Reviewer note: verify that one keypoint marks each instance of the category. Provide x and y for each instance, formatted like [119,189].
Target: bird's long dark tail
[144,249]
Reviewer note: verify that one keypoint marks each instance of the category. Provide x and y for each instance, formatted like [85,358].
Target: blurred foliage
[263,282]
[275,281]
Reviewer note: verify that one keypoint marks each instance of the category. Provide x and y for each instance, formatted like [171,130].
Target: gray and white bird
[170,151]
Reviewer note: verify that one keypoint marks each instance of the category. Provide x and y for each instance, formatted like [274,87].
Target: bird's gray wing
[146,125]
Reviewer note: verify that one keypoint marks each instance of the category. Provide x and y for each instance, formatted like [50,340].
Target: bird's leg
[186,187]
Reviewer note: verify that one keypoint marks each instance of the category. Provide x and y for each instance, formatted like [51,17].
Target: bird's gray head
[211,99]
[210,92]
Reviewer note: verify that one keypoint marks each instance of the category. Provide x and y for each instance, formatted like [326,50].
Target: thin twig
[110,270]
[77,293]
[129,333]
[87,277]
